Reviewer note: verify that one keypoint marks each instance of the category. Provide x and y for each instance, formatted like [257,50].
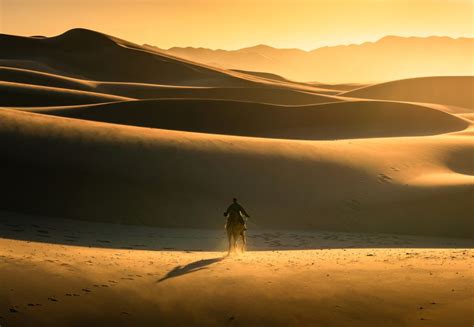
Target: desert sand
[118,161]
[72,273]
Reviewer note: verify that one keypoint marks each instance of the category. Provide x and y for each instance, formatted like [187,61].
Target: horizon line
[261,44]
[323,46]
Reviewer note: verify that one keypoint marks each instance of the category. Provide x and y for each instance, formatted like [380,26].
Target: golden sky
[232,24]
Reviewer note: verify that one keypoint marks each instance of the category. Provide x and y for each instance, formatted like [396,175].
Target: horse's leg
[236,237]
[244,240]
[229,236]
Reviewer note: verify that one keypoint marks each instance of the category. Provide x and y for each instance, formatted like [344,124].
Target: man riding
[236,211]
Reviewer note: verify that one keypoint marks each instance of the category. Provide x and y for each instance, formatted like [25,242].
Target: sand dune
[338,87]
[124,158]
[361,119]
[17,95]
[173,178]
[38,77]
[336,162]
[112,274]
[264,75]
[283,96]
[451,90]
[123,287]
[275,95]
[327,88]
[80,53]
[29,65]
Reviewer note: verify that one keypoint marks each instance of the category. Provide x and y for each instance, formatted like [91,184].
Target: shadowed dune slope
[451,90]
[31,65]
[281,96]
[93,55]
[18,95]
[263,75]
[72,168]
[324,88]
[360,119]
[35,77]
[150,91]
[338,87]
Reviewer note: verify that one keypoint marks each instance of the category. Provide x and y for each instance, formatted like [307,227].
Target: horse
[235,228]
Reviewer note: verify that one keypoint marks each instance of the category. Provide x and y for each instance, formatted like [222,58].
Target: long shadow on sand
[190,268]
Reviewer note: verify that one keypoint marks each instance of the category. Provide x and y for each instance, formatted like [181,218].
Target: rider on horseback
[236,211]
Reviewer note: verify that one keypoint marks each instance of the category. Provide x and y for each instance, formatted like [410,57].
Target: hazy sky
[231,24]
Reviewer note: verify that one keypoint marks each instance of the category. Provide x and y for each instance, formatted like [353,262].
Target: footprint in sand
[384,178]
[52,299]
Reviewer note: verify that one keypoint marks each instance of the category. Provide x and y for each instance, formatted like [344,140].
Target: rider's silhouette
[236,211]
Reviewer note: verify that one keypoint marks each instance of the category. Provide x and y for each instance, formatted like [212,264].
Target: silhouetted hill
[389,58]
[96,56]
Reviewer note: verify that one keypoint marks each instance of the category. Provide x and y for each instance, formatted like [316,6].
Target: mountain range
[390,58]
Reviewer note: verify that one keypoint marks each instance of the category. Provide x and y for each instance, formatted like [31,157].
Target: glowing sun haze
[232,24]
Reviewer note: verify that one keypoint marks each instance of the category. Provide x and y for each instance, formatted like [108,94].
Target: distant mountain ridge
[390,58]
